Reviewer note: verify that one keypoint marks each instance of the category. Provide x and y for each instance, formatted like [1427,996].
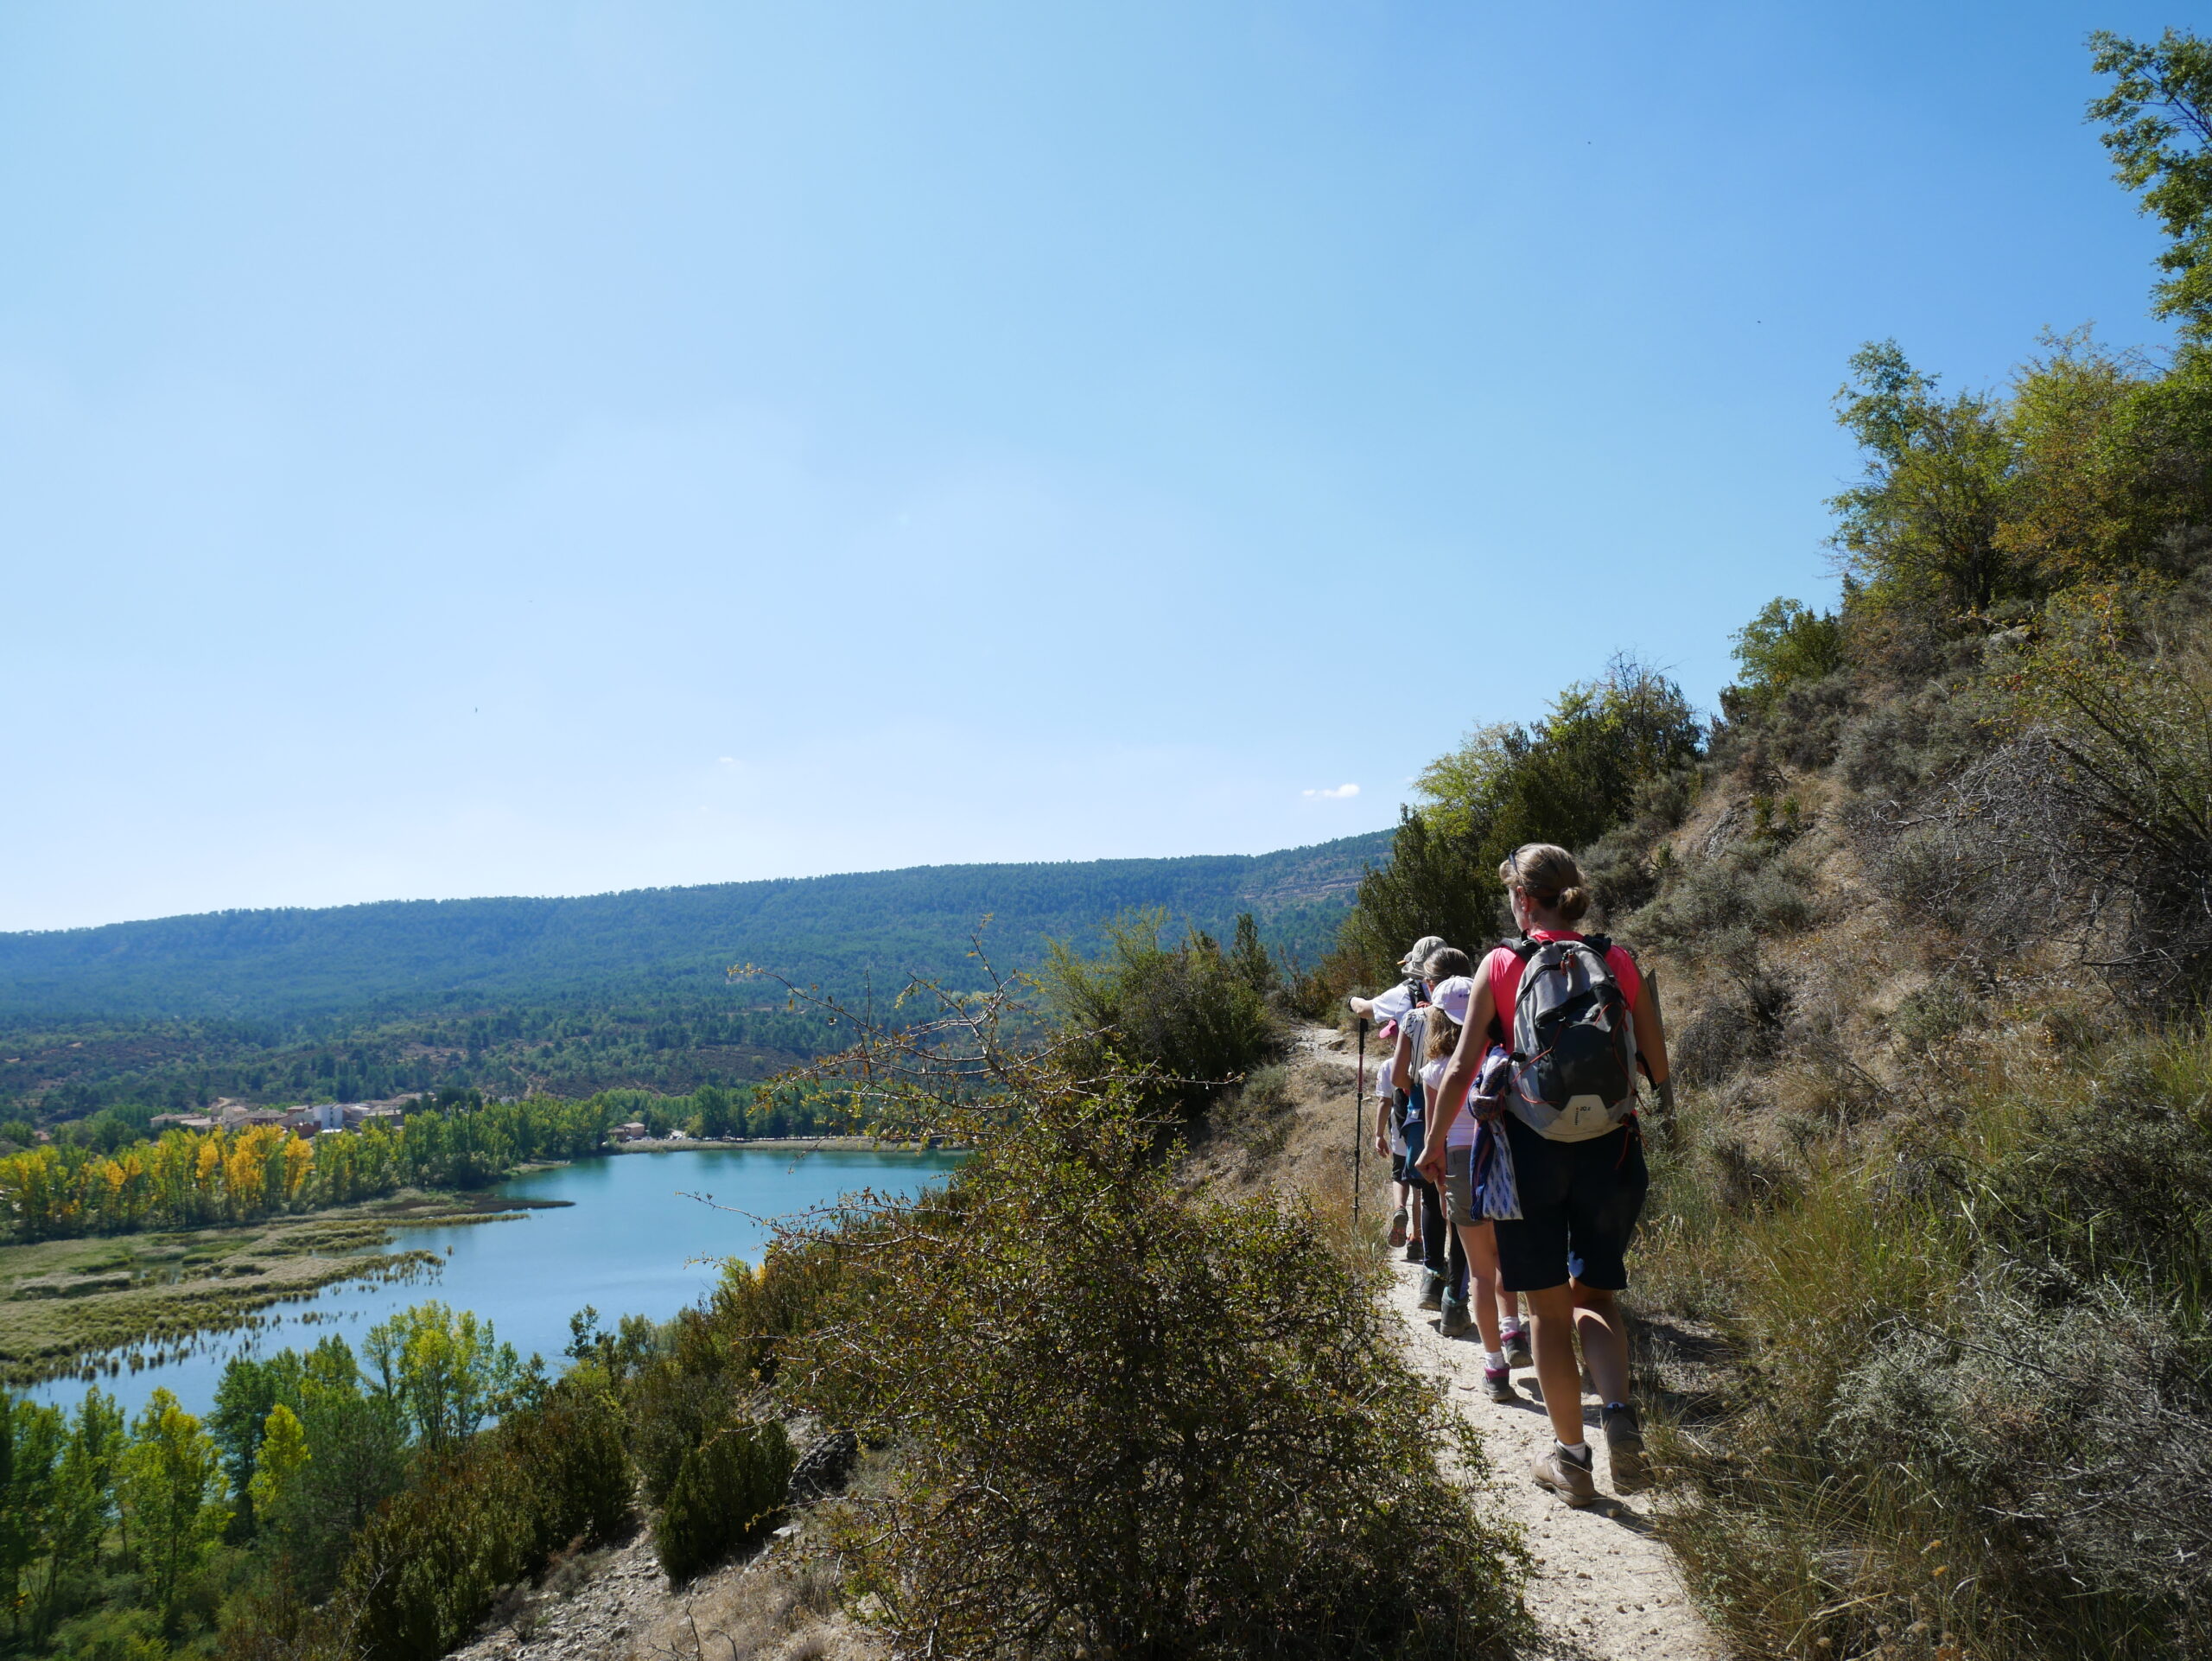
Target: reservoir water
[630,1243]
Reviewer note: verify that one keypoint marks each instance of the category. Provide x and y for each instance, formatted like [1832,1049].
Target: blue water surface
[630,1243]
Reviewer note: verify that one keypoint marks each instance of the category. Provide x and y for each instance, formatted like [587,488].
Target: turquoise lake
[630,1243]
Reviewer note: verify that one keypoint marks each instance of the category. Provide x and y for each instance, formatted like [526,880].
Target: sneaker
[1413,1251]
[1431,1291]
[1498,1381]
[1398,1226]
[1624,1444]
[1517,1353]
[1457,1317]
[1569,1478]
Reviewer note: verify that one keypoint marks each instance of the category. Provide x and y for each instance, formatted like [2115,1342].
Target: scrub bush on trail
[1135,1423]
[1121,1418]
[1193,1017]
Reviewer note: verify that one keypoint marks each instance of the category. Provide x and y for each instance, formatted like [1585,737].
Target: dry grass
[782,1606]
[1868,1461]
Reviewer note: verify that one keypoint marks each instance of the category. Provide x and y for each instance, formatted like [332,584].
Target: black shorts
[1398,1167]
[1580,1201]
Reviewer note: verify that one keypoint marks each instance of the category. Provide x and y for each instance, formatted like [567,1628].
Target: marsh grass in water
[95,1307]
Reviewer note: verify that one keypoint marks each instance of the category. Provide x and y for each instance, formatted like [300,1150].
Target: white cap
[1425,948]
[1453,996]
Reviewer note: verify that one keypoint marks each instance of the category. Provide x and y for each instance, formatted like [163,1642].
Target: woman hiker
[1580,1199]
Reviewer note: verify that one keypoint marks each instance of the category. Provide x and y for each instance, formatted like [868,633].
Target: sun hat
[1423,949]
[1453,996]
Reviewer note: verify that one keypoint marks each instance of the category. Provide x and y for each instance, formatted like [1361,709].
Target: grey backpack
[1573,1040]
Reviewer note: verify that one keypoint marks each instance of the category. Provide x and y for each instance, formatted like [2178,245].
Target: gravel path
[1604,1587]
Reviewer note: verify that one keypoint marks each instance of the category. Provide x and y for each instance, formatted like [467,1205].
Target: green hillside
[571,995]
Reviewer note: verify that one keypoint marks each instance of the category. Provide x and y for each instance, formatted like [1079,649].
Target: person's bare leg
[1551,1313]
[1481,1247]
[1604,1332]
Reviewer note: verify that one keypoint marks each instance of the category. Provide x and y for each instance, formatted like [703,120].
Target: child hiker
[1496,1311]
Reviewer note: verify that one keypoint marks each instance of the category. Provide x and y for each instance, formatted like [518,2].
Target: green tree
[445,1369]
[82,1509]
[171,1486]
[358,1445]
[249,1387]
[718,1112]
[1248,957]
[277,1462]
[1918,534]
[16,1539]
[1787,643]
[2157,119]
[726,1489]
[1570,779]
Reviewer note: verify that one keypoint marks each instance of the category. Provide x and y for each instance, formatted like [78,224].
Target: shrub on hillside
[1126,1421]
[2073,1435]
[1981,1337]
[724,1495]
[2088,824]
[1190,1015]
[427,1566]
[1788,645]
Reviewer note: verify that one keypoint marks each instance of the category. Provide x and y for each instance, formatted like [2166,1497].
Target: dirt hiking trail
[1604,1587]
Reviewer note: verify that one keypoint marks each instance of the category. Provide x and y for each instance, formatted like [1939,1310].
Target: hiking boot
[1431,1290]
[1398,1226]
[1517,1353]
[1497,1382]
[1625,1446]
[1457,1317]
[1569,1478]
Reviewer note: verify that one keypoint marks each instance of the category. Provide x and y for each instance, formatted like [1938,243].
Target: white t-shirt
[1393,1004]
[1462,1133]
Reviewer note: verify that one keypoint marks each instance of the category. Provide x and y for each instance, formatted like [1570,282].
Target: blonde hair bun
[1549,877]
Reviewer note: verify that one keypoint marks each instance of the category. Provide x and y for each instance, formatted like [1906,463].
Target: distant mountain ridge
[426,954]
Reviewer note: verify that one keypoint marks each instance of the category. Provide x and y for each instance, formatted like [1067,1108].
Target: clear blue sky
[453,448]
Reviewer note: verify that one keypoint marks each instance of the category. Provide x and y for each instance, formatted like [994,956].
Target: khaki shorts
[1459,1185]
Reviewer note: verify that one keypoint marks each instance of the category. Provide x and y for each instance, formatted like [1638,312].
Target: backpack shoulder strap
[1521,946]
[1600,944]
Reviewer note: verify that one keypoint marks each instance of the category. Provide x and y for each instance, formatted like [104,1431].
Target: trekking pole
[1359,1114]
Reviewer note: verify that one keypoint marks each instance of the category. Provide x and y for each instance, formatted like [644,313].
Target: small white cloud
[1341,794]
[729,761]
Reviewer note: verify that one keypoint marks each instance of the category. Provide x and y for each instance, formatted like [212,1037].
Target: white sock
[1494,1359]
[1580,1453]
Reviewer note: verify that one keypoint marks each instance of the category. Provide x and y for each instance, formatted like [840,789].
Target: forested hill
[651,942]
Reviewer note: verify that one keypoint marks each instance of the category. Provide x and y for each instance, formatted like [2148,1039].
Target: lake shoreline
[739,1144]
[626,1235]
[97,1302]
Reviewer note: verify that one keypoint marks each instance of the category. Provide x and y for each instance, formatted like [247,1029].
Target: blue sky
[455,448]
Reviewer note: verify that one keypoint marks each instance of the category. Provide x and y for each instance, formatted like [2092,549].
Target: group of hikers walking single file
[1509,1110]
